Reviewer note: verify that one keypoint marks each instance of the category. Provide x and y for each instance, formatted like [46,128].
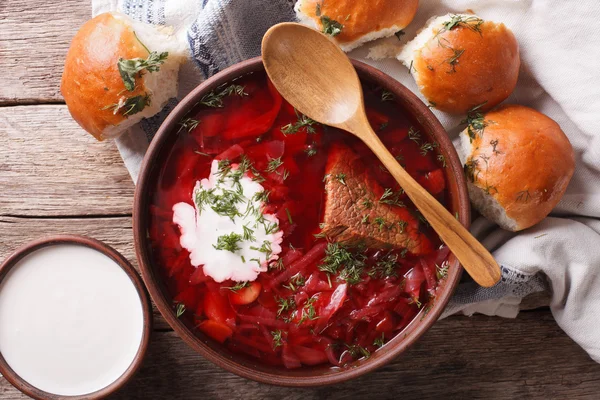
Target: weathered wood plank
[459,358]
[50,166]
[115,232]
[34,39]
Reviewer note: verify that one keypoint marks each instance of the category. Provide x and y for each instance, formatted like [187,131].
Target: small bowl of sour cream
[75,319]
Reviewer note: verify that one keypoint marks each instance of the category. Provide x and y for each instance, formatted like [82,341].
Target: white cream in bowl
[71,320]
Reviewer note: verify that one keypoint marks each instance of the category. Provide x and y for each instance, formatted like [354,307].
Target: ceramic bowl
[238,363]
[111,253]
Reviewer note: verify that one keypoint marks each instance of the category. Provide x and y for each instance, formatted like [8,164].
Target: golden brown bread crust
[485,73]
[361,17]
[91,79]
[349,219]
[524,160]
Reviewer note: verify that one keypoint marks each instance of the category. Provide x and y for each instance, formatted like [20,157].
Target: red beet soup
[336,291]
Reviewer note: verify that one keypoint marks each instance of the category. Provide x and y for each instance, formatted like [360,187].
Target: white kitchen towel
[560,76]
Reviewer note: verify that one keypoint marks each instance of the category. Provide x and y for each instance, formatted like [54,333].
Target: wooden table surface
[54,178]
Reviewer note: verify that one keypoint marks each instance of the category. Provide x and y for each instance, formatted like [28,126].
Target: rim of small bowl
[238,363]
[122,262]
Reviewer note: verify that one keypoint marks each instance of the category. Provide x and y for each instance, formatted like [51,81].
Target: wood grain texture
[49,166]
[452,361]
[51,169]
[34,39]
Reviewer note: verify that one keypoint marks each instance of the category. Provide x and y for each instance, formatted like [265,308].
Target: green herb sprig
[130,106]
[129,69]
[215,99]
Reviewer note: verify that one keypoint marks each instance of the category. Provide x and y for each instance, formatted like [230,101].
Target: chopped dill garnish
[441,271]
[215,99]
[229,242]
[392,198]
[223,168]
[262,197]
[331,27]
[386,95]
[442,160]
[277,339]
[475,122]
[225,204]
[383,126]
[402,225]
[414,300]
[380,222]
[189,124]
[365,219]
[472,169]
[357,351]
[453,60]
[303,122]
[310,151]
[271,227]
[411,68]
[386,267]
[340,260]
[248,233]
[427,147]
[289,216]
[273,164]
[471,22]
[308,311]
[238,286]
[414,135]
[278,264]
[180,310]
[296,281]
[380,341]
[129,69]
[494,144]
[367,203]
[201,153]
[341,178]
[264,248]
[129,106]
[285,304]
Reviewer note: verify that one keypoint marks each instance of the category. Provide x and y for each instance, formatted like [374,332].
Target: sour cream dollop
[226,231]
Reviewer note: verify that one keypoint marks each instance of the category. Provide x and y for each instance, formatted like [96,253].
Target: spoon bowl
[317,78]
[335,97]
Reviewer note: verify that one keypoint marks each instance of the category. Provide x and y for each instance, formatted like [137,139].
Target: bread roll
[518,164]
[352,23]
[94,88]
[461,61]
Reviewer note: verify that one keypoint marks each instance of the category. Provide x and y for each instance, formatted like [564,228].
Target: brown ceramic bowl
[108,251]
[237,363]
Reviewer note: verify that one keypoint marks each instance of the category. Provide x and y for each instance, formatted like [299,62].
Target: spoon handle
[478,262]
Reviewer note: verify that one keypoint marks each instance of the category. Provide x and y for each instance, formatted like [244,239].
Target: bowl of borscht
[281,249]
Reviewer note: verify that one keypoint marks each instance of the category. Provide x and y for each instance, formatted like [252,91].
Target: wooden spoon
[317,78]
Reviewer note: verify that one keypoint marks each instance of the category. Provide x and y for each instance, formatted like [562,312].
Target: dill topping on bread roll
[518,163]
[118,71]
[351,23]
[461,61]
